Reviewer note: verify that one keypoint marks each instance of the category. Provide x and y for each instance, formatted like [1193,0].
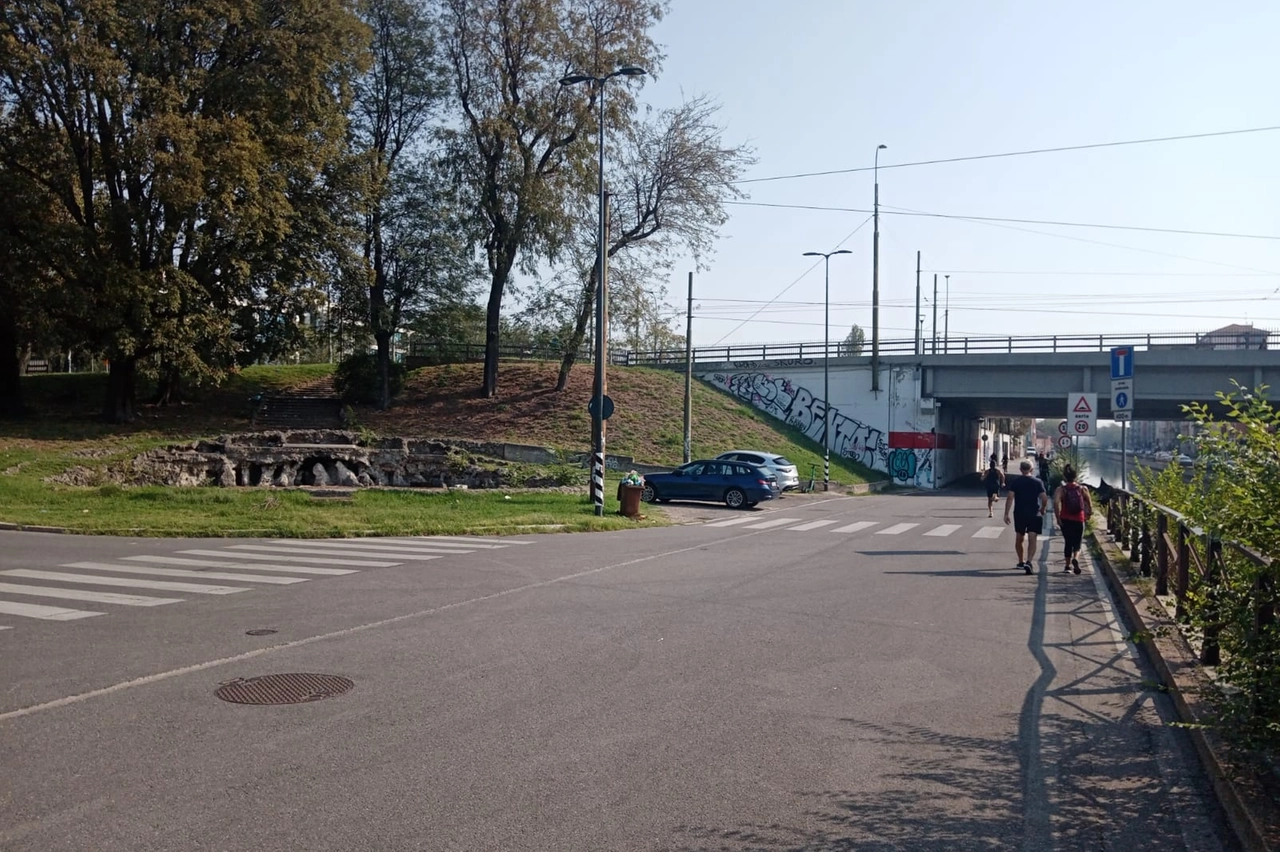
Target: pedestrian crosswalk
[151,579]
[988,531]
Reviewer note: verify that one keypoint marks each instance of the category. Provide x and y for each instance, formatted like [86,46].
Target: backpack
[1072,502]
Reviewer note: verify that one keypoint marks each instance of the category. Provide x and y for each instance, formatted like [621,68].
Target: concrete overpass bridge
[921,424]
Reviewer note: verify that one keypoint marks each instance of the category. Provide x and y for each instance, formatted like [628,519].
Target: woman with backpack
[1072,507]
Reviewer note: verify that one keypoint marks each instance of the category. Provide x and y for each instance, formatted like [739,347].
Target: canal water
[1102,465]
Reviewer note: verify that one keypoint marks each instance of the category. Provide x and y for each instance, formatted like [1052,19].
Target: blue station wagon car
[736,484]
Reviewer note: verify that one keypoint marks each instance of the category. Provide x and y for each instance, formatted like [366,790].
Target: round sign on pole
[1062,427]
[1064,441]
[1082,426]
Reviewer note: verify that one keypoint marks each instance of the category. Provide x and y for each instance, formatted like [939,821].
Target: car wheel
[649,495]
[735,498]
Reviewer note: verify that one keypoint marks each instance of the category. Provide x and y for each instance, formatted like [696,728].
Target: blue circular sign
[1122,400]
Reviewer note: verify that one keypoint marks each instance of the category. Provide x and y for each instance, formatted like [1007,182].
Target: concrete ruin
[319,458]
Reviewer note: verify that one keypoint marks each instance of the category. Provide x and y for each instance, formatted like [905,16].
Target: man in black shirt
[1027,501]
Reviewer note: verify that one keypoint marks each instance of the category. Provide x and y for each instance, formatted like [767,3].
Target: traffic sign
[1063,428]
[1082,411]
[608,406]
[1123,415]
[1121,362]
[1064,442]
[1121,396]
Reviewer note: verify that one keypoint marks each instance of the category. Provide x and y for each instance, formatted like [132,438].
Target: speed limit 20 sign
[1082,414]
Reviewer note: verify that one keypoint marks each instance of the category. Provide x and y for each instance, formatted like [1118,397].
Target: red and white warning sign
[1082,412]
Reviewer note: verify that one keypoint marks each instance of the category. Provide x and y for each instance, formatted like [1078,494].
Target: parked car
[737,484]
[779,466]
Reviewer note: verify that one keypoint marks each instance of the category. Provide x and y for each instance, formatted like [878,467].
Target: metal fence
[805,353]
[1163,542]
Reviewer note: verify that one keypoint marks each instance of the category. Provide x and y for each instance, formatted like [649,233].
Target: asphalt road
[818,674]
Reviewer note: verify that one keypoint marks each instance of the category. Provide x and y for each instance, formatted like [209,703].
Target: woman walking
[1072,507]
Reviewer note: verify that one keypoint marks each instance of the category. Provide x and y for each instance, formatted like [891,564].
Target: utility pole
[917,322]
[875,279]
[688,376]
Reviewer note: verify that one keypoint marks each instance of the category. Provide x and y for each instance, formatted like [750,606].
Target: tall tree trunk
[585,308]
[384,369]
[11,404]
[120,405]
[500,271]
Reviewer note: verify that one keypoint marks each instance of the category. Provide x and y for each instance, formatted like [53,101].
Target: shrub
[356,378]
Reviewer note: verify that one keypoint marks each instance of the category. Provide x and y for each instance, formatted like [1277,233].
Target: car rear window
[781,461]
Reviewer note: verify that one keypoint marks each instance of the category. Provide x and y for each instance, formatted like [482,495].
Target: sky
[816,85]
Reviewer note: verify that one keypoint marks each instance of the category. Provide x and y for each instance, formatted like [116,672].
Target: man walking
[1027,501]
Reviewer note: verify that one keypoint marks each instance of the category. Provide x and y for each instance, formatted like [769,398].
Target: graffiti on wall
[797,406]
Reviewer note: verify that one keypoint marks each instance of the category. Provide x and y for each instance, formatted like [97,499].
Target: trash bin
[629,497]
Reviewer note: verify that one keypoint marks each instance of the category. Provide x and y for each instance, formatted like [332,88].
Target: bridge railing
[806,353]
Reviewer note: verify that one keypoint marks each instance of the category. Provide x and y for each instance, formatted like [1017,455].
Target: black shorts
[993,492]
[1028,523]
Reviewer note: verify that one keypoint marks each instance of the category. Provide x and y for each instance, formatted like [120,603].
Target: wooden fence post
[1162,554]
[1184,573]
[1210,651]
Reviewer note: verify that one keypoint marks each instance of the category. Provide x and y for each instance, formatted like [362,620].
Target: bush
[356,378]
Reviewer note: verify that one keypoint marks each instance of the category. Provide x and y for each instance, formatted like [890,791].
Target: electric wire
[1024,153]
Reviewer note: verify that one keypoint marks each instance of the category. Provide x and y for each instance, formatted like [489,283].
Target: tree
[672,177]
[854,341]
[192,153]
[520,148]
[393,103]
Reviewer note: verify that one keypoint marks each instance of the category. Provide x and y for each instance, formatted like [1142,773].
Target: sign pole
[1124,457]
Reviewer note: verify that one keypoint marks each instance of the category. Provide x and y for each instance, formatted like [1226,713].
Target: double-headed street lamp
[875,276]
[599,414]
[826,358]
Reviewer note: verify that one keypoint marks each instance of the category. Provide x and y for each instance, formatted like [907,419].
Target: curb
[1249,807]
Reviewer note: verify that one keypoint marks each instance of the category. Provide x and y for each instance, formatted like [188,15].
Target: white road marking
[945,529]
[896,529]
[855,527]
[988,532]
[84,595]
[163,585]
[812,525]
[222,563]
[278,549]
[5,627]
[49,613]
[461,539]
[776,522]
[346,546]
[181,572]
[731,522]
[358,563]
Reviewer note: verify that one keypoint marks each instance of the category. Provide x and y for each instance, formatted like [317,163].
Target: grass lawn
[64,436]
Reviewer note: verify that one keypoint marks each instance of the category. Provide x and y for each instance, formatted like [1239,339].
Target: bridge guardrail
[805,353]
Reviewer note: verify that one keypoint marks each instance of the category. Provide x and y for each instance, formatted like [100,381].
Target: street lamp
[598,416]
[875,277]
[826,359]
[946,319]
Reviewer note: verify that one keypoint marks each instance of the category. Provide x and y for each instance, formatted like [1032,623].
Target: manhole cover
[261,631]
[283,688]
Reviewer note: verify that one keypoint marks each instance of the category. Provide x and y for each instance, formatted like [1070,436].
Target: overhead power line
[902,211]
[1028,152]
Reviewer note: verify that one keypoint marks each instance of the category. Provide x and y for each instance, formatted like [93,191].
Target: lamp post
[875,276]
[598,416]
[826,361]
[946,319]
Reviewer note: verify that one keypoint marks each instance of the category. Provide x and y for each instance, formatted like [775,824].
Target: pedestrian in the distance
[1027,501]
[994,480]
[1004,462]
[1072,506]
